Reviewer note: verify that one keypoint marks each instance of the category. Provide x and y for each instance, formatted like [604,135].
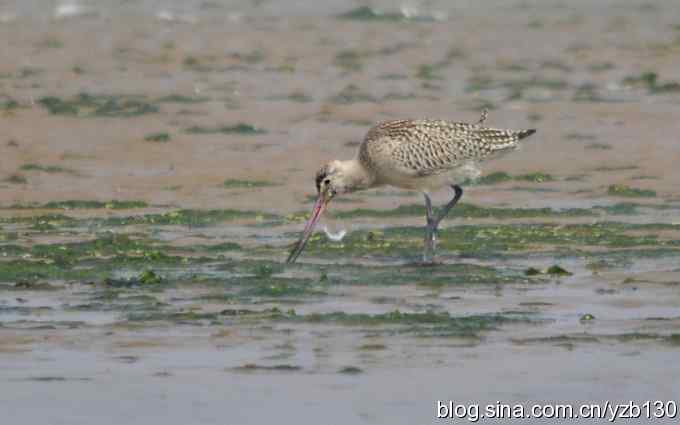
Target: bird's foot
[430,243]
[431,263]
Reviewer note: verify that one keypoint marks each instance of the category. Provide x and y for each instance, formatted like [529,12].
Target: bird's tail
[525,133]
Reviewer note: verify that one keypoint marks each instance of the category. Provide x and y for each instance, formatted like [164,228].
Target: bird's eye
[327,181]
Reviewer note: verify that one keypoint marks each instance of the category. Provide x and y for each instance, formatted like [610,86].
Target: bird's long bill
[318,210]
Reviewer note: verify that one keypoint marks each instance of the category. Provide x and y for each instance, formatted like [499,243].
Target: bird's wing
[426,147]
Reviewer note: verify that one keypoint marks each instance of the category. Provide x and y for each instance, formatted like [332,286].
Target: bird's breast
[405,178]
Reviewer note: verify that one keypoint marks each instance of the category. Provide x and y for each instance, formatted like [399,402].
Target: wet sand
[213,117]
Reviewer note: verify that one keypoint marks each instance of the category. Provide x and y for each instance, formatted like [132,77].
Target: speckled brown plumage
[425,147]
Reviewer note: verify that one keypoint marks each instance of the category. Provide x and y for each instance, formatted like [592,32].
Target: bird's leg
[433,222]
[430,231]
[458,193]
[485,113]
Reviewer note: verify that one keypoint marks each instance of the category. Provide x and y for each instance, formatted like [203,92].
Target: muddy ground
[157,162]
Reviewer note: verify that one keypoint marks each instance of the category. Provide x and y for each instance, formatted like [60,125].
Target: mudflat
[157,164]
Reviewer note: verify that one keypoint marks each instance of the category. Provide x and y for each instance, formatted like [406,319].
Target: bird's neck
[357,177]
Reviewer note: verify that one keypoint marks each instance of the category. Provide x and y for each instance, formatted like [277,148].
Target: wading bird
[423,155]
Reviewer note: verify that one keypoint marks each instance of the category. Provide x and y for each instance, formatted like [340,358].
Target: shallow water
[213,117]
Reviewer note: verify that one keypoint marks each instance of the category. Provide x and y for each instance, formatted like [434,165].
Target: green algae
[220,247]
[25,310]
[12,250]
[56,379]
[426,324]
[458,275]
[629,192]
[623,208]
[494,178]
[178,98]
[46,221]
[239,128]
[97,259]
[576,178]
[443,275]
[350,370]
[534,117]
[525,236]
[160,137]
[429,72]
[28,285]
[580,136]
[149,277]
[296,96]
[97,105]
[261,269]
[252,367]
[276,287]
[105,245]
[567,341]
[674,339]
[598,146]
[601,66]
[196,64]
[8,104]
[513,67]
[32,270]
[349,60]
[74,204]
[352,94]
[185,217]
[537,177]
[372,347]
[51,43]
[114,298]
[485,240]
[28,72]
[558,271]
[8,236]
[535,24]
[502,177]
[589,92]
[393,76]
[366,13]
[198,318]
[571,340]
[533,189]
[46,168]
[586,317]
[610,168]
[393,96]
[369,14]
[117,205]
[624,258]
[180,317]
[246,184]
[532,271]
[465,210]
[330,276]
[16,179]
[650,81]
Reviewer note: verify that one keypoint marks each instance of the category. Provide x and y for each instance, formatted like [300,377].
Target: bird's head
[334,178]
